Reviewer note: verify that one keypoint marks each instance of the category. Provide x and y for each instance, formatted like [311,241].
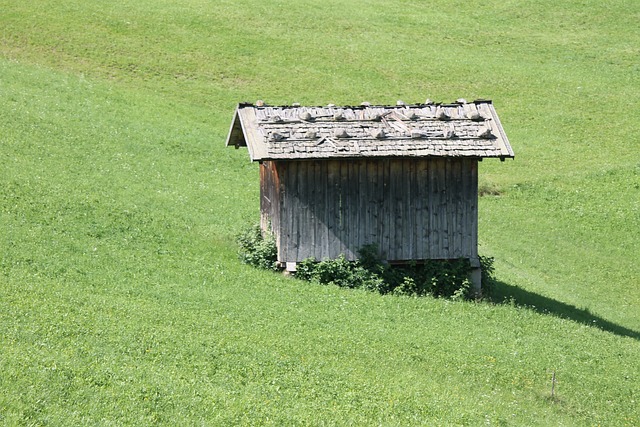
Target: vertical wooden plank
[417,209]
[470,202]
[375,202]
[329,210]
[441,213]
[456,197]
[404,201]
[320,180]
[397,214]
[451,207]
[312,201]
[344,206]
[404,245]
[345,194]
[413,208]
[430,212]
[462,201]
[305,226]
[264,185]
[292,217]
[423,209]
[390,223]
[352,209]
[385,221]
[427,208]
[434,207]
[403,219]
[445,218]
[276,203]
[364,190]
[285,212]
[445,215]
[464,206]
[333,211]
[298,213]
[272,193]
[474,207]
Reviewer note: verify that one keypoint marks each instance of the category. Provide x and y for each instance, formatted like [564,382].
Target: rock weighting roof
[470,129]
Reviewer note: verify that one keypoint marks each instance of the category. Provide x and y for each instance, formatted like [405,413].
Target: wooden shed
[402,177]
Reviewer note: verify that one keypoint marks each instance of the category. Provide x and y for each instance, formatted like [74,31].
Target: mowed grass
[122,301]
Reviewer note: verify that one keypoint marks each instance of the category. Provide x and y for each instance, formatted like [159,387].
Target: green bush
[258,248]
[438,278]
[340,272]
[488,278]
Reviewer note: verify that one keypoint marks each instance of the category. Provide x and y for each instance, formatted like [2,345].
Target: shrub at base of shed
[258,248]
[438,278]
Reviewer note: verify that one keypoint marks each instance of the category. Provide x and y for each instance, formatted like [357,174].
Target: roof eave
[507,151]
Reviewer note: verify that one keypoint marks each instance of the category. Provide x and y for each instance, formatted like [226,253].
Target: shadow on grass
[506,294]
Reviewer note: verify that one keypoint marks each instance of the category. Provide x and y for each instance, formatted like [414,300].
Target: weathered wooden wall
[269,197]
[411,208]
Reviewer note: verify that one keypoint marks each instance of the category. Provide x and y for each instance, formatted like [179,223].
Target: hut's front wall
[412,209]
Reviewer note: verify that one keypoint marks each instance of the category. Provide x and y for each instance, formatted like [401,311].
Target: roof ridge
[399,104]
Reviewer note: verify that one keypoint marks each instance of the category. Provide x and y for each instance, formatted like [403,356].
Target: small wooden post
[291,267]
[476,280]
[476,277]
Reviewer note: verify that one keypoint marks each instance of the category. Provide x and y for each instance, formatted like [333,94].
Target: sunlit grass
[122,301]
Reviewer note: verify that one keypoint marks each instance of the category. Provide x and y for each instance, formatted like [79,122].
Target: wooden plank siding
[411,208]
[270,190]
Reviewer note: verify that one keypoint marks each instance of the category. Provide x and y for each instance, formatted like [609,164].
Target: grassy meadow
[122,299]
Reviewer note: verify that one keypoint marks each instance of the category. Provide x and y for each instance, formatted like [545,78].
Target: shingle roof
[441,130]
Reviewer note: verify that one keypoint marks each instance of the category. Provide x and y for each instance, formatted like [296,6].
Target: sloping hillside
[122,301]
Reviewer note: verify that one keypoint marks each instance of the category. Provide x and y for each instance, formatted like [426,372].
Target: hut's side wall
[270,198]
[412,209]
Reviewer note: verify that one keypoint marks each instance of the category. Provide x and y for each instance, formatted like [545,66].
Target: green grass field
[123,302]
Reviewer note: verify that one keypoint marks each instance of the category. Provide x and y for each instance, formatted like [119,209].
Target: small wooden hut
[402,177]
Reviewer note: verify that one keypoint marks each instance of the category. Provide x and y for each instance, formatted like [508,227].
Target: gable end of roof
[236,136]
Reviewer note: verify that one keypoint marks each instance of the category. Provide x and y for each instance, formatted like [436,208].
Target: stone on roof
[462,128]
